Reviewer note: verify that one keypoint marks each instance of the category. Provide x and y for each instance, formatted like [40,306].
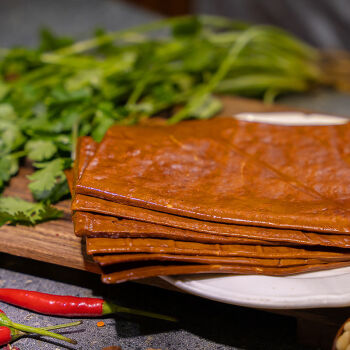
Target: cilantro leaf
[101,123]
[7,111]
[39,150]
[18,211]
[209,106]
[11,136]
[8,167]
[49,41]
[4,88]
[186,27]
[48,182]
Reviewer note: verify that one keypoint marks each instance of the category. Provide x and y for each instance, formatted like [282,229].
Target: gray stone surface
[203,324]
[20,20]
[322,23]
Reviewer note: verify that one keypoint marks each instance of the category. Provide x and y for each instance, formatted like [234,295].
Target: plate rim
[305,301]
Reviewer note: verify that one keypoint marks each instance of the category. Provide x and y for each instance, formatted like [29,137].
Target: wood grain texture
[54,241]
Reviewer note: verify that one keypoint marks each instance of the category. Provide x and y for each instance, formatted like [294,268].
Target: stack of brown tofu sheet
[214,196]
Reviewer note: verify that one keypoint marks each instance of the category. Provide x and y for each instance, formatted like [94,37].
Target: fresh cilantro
[187,27]
[18,211]
[8,167]
[3,89]
[11,137]
[49,182]
[7,112]
[40,150]
[210,106]
[49,41]
[103,119]
[51,95]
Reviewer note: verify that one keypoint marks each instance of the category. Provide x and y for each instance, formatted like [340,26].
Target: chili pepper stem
[64,325]
[16,334]
[111,308]
[40,331]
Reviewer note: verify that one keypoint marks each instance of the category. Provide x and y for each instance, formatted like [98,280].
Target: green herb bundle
[51,95]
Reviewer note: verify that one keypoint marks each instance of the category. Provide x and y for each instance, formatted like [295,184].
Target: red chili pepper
[52,304]
[59,305]
[9,334]
[17,329]
[5,335]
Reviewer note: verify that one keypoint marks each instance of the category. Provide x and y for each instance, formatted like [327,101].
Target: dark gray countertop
[203,324]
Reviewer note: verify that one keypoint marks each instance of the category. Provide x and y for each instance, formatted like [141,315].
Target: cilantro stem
[19,154]
[223,69]
[90,44]
[28,329]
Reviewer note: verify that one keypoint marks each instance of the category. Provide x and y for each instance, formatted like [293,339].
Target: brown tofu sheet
[70,179]
[111,259]
[224,170]
[235,264]
[94,225]
[85,150]
[166,223]
[164,270]
[153,245]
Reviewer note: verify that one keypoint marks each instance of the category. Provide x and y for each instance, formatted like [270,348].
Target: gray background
[323,23]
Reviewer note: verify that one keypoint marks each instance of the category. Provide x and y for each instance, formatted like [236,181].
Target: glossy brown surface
[159,270]
[106,260]
[88,203]
[140,219]
[101,206]
[94,225]
[228,171]
[150,245]
[85,149]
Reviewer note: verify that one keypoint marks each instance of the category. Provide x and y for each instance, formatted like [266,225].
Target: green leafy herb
[18,211]
[39,150]
[8,167]
[187,27]
[50,42]
[46,183]
[11,137]
[51,95]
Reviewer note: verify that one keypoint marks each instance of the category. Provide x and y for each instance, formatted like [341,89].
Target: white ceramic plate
[329,288]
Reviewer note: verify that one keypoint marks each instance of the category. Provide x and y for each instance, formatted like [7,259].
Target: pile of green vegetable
[51,95]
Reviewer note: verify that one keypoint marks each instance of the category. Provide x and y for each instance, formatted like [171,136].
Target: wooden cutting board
[54,241]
